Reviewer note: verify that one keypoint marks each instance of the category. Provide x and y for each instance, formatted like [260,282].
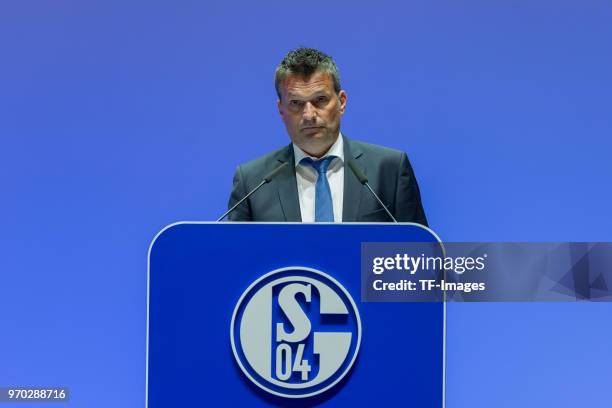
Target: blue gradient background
[117,118]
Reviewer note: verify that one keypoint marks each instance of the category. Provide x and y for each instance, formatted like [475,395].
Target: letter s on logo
[295,314]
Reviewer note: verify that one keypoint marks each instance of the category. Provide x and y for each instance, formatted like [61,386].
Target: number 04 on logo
[295,332]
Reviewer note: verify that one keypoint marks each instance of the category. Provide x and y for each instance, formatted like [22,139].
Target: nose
[309,113]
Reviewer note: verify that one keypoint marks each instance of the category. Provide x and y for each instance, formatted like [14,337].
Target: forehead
[304,86]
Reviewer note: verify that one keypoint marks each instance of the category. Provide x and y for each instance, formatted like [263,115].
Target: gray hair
[305,62]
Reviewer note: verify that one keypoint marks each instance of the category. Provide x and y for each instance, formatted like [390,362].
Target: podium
[269,314]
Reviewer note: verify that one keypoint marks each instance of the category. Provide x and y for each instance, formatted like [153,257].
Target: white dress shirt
[306,177]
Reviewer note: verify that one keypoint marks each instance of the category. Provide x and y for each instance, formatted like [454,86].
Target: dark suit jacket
[388,171]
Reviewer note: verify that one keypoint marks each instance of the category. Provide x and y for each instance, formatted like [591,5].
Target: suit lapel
[287,186]
[352,186]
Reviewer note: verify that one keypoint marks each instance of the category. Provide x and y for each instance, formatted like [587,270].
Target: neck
[321,153]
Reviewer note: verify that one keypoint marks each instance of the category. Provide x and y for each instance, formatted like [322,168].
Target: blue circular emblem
[295,332]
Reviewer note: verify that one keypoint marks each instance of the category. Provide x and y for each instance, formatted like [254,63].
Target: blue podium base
[198,272]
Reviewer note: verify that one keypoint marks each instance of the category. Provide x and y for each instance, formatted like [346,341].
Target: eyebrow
[313,95]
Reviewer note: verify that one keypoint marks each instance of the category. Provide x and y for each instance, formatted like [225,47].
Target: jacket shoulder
[373,150]
[261,165]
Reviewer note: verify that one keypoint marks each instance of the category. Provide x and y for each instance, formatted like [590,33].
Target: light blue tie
[324,208]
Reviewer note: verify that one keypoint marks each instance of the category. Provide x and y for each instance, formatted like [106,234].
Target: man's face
[311,111]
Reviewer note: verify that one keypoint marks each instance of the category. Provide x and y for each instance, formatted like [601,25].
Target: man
[318,185]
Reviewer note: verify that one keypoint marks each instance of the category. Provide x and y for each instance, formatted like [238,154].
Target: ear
[343,97]
[279,105]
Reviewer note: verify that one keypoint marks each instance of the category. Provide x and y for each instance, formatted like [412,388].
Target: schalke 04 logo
[295,332]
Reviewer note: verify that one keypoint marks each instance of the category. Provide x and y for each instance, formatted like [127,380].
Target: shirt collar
[337,149]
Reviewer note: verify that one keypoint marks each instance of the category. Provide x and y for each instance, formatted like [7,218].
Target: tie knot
[320,166]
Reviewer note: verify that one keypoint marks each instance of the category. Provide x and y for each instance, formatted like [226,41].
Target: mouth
[312,128]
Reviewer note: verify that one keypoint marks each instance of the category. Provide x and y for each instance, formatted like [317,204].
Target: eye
[321,101]
[294,102]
